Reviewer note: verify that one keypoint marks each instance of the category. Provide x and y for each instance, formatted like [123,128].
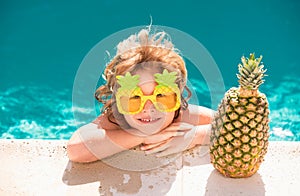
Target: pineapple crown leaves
[251,72]
[128,81]
[166,78]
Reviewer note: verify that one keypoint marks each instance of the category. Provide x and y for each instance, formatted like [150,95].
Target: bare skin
[106,139]
[155,131]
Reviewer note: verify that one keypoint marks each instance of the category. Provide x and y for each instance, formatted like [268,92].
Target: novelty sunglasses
[131,100]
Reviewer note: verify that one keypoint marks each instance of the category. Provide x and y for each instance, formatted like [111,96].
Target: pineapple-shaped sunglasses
[131,100]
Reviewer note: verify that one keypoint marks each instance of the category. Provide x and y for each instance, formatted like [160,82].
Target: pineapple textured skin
[240,132]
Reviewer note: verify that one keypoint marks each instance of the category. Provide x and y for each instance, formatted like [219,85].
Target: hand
[175,138]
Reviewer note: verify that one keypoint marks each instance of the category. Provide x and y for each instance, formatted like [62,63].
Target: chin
[148,126]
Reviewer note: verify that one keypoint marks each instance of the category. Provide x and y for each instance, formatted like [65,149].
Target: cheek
[169,118]
[129,119]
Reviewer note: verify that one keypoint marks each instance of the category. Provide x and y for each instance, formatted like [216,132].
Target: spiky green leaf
[251,72]
[128,81]
[166,78]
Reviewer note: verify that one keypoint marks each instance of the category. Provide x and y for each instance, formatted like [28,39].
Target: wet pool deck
[41,167]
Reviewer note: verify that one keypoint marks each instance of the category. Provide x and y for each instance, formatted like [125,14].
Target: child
[143,104]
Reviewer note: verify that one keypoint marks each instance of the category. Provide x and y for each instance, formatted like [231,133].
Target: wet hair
[141,51]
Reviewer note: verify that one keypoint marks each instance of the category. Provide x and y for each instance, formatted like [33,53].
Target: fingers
[162,136]
[179,126]
[176,129]
[150,146]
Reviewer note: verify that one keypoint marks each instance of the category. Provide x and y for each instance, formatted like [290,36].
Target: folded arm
[192,128]
[90,142]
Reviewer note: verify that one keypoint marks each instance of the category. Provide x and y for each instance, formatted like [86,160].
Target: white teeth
[148,120]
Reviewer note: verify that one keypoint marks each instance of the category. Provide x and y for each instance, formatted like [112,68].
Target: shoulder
[104,122]
[197,115]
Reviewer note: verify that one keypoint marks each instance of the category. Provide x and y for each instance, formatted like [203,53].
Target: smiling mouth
[148,120]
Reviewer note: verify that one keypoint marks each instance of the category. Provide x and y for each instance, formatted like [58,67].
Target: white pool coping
[41,167]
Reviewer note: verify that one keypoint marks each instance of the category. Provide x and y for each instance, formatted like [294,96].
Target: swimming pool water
[28,112]
[42,44]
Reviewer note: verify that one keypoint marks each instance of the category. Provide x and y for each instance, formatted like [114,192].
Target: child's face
[149,120]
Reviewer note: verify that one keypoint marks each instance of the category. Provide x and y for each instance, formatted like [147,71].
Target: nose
[148,107]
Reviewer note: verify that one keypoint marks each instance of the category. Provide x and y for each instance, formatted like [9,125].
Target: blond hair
[132,54]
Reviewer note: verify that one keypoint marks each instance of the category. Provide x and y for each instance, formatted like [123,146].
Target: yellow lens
[166,101]
[130,104]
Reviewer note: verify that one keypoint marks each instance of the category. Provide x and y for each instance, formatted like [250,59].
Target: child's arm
[90,143]
[188,136]
[193,128]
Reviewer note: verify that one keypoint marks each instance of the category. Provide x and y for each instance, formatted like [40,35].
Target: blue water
[42,44]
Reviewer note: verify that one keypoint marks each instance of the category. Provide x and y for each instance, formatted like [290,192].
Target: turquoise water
[42,44]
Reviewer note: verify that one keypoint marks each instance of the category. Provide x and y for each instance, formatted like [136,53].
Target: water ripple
[45,113]
[37,112]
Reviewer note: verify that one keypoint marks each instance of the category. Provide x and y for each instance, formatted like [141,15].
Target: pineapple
[239,137]
[129,87]
[167,87]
